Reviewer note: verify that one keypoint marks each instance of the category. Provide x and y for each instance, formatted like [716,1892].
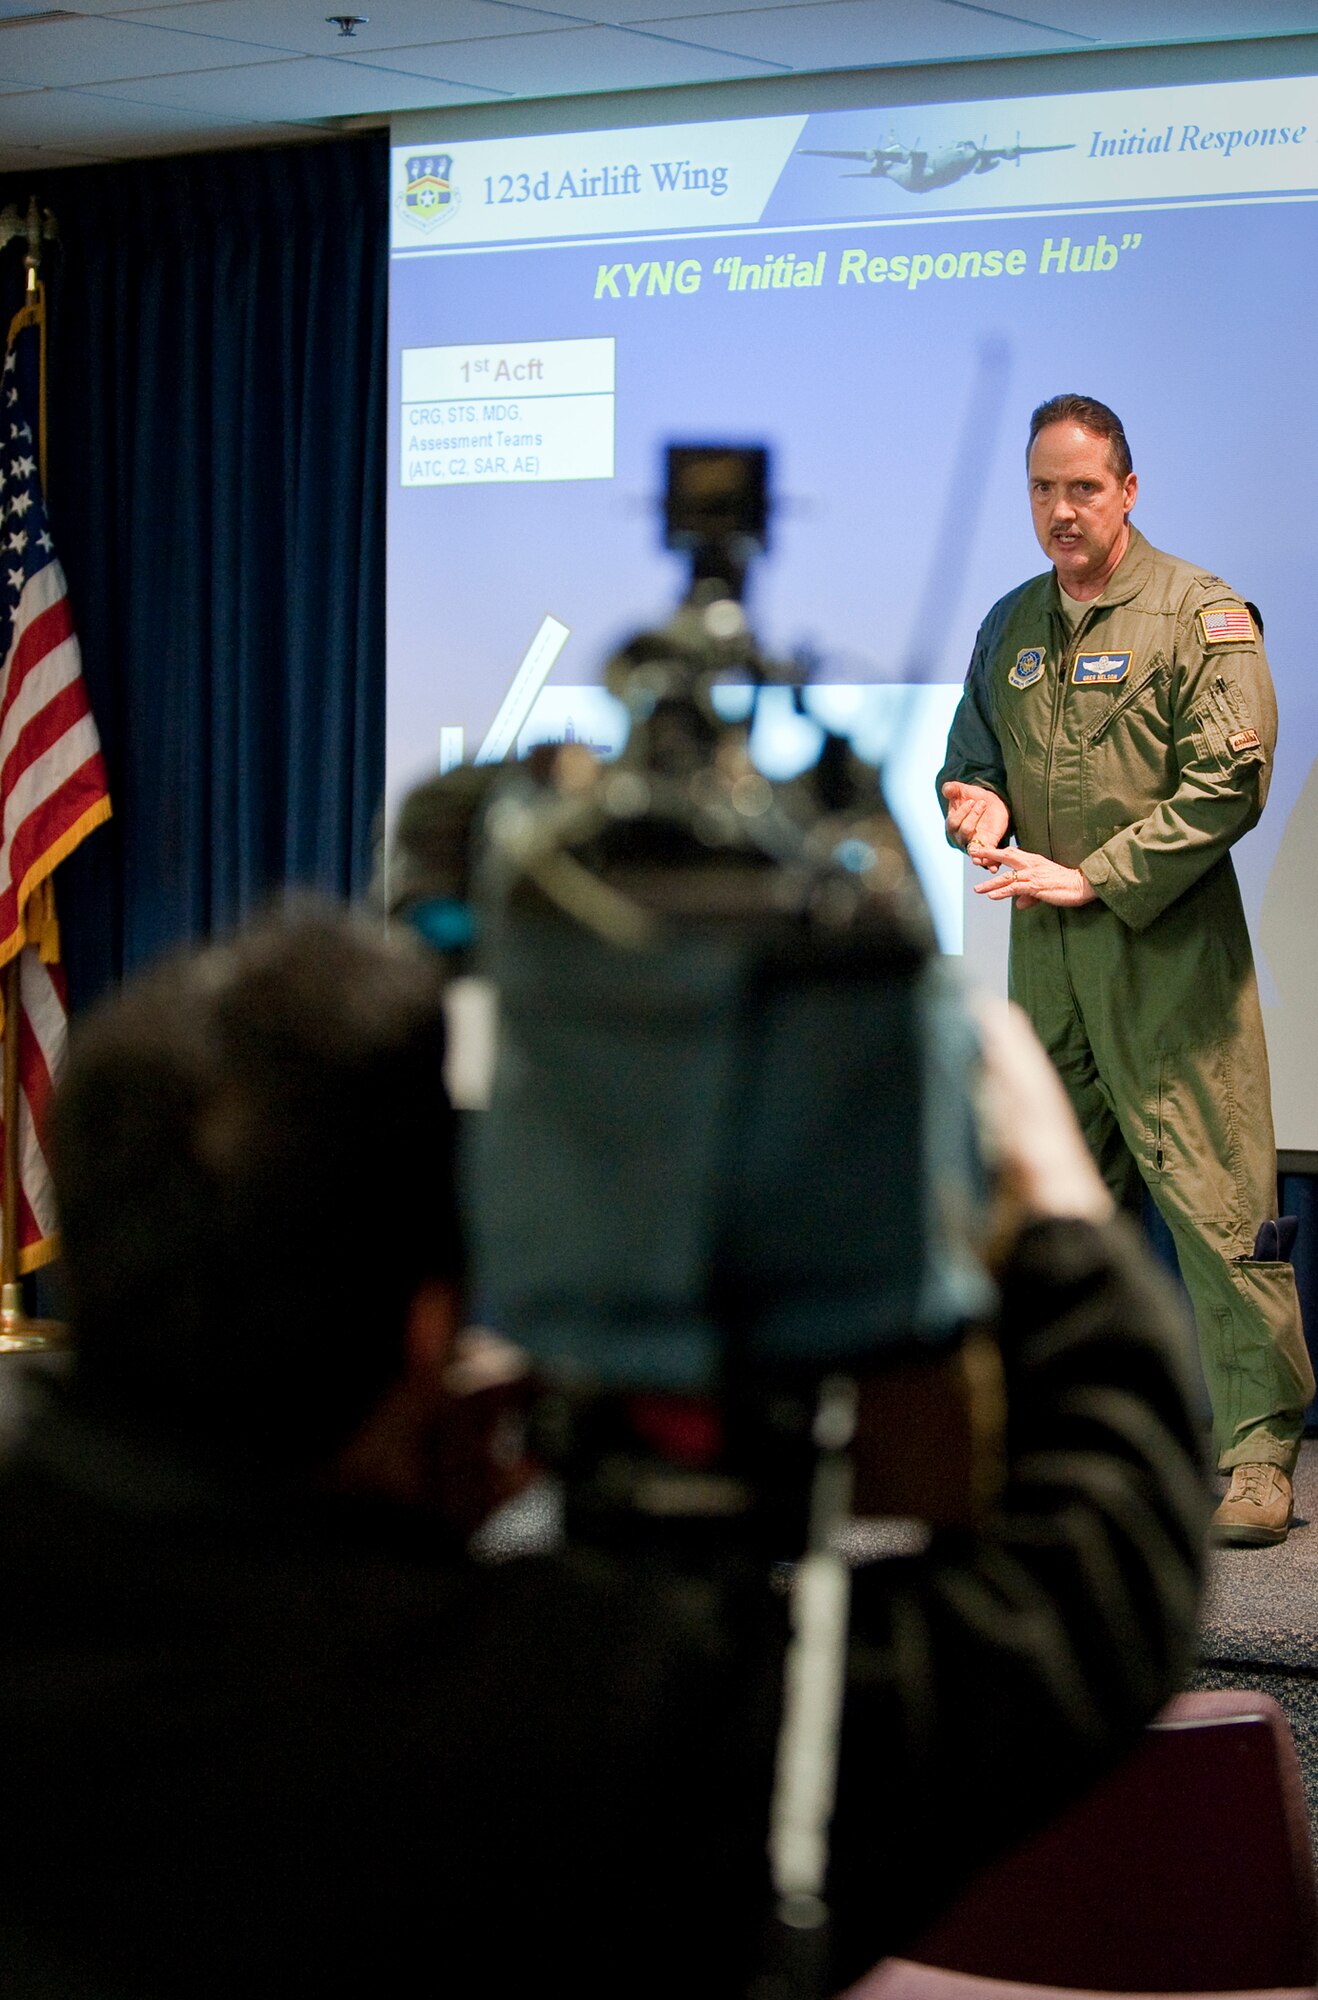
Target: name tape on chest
[1100,669]
[1030,663]
[1227,625]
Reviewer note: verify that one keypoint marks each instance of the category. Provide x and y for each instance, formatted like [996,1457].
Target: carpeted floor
[1260,1626]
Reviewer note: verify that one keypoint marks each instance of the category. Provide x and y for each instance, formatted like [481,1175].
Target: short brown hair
[1092,416]
[253,1158]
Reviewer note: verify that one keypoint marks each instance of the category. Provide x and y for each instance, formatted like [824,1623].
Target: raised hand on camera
[446,1439]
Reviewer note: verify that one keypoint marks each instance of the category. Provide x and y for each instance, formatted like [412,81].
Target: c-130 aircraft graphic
[920,172]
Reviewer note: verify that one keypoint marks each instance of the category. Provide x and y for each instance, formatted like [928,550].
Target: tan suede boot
[1256,1508]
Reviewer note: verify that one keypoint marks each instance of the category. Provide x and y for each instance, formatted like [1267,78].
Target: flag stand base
[21,1335]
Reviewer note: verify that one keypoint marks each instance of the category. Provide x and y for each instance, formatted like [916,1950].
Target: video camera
[731,1138]
[730,1162]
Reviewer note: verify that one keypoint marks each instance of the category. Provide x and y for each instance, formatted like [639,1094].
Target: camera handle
[814,1687]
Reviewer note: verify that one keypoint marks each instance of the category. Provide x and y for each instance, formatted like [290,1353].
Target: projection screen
[880,296]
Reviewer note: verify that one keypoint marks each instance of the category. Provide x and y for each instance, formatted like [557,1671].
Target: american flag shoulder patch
[1227,625]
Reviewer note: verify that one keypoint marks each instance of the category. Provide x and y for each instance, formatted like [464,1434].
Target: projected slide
[520,411]
[881,297]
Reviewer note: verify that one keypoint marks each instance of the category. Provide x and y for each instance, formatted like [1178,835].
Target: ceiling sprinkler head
[347,24]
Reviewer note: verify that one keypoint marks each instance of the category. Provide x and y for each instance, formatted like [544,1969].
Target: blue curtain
[216,384]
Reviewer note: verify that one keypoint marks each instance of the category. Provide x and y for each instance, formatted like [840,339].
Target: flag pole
[18,1333]
[11,1296]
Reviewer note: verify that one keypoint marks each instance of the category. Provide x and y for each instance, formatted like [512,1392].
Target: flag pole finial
[37,225]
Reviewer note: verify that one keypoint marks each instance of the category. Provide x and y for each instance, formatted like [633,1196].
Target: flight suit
[1137,748]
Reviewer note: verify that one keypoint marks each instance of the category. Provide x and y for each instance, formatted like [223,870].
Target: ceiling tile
[301,87]
[179,73]
[1126,21]
[16,159]
[66,120]
[588,59]
[662,14]
[301,25]
[838,34]
[68,54]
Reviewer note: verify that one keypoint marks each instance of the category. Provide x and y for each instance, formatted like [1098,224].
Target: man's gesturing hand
[1031,879]
[976,817]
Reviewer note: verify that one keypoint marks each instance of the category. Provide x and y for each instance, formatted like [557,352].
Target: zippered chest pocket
[1123,701]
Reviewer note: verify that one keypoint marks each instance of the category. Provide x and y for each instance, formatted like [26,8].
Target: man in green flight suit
[1119,720]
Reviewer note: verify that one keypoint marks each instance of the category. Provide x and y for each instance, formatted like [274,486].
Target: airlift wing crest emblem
[429,197]
[1029,666]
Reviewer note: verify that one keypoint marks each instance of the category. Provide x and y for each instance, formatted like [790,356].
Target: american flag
[52,779]
[1227,624]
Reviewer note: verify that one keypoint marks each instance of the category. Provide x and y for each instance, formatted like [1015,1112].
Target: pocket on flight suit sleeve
[1223,727]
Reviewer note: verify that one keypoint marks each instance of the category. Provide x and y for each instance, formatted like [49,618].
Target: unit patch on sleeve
[1244,739]
[1029,665]
[1100,669]
[1227,625]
